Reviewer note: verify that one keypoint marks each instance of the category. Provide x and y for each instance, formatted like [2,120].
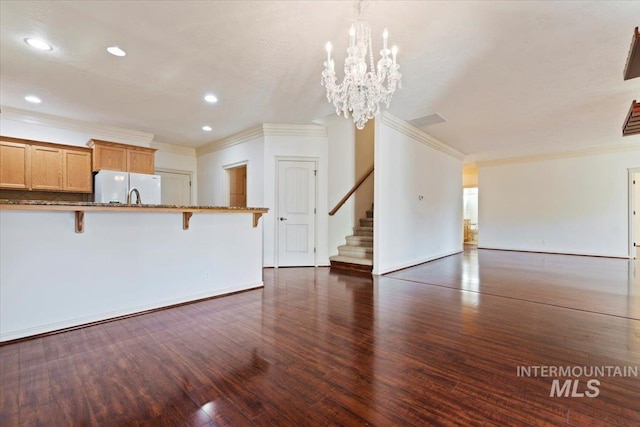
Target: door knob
[283,218]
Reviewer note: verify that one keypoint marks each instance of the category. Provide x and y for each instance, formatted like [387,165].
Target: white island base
[53,278]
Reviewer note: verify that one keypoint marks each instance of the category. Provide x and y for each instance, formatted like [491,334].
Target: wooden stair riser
[349,268]
[369,214]
[352,260]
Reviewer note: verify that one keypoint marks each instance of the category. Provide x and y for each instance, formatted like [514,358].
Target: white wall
[297,147]
[123,263]
[409,231]
[469,177]
[341,177]
[16,129]
[365,153]
[174,158]
[261,151]
[574,205]
[211,173]
[41,127]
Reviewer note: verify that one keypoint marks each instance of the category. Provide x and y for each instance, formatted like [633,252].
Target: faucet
[134,190]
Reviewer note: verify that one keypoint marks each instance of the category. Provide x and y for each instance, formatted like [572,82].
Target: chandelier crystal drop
[362,89]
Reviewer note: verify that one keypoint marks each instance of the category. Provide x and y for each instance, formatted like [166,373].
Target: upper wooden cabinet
[76,166]
[15,164]
[122,157]
[106,156]
[34,165]
[46,168]
[141,160]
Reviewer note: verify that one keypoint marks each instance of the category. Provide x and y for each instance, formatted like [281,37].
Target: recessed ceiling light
[115,50]
[38,44]
[207,128]
[211,98]
[32,98]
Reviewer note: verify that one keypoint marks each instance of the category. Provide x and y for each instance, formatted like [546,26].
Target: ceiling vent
[432,119]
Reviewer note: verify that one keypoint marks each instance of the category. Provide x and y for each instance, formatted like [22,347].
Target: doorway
[634,213]
[296,213]
[175,187]
[470,215]
[238,186]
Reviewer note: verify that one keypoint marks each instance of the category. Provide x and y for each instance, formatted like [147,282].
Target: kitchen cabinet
[76,166]
[122,157]
[141,160]
[46,168]
[42,166]
[106,156]
[15,164]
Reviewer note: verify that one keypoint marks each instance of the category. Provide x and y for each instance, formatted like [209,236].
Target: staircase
[357,255]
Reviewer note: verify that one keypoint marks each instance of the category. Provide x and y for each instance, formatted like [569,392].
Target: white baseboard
[553,251]
[414,262]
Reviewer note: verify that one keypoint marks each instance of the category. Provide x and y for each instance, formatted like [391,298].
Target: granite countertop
[122,205]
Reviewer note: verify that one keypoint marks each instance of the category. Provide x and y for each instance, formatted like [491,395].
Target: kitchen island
[65,264]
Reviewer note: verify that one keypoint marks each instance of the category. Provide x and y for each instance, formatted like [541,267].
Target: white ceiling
[511,78]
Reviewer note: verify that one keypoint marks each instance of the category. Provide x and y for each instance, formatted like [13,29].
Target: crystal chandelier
[362,91]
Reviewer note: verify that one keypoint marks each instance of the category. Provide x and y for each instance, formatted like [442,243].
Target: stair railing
[350,192]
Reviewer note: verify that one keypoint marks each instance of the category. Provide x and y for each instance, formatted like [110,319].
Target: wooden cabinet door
[15,165]
[109,157]
[77,175]
[46,168]
[140,161]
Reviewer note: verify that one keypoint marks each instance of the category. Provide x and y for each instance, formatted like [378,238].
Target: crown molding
[230,141]
[173,149]
[419,135]
[97,131]
[260,131]
[559,155]
[271,129]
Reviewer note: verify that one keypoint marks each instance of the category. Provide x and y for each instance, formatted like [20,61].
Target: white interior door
[175,188]
[296,213]
[636,209]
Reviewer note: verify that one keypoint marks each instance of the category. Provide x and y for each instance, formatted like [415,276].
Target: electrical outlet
[206,275]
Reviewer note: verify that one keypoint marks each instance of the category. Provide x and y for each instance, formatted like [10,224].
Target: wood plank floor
[437,344]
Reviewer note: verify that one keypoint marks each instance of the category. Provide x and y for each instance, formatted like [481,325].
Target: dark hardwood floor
[437,344]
